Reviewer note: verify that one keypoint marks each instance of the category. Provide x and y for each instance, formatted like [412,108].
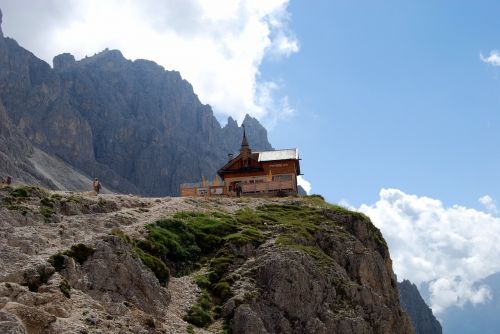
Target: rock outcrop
[114,274]
[74,263]
[337,283]
[424,322]
[139,128]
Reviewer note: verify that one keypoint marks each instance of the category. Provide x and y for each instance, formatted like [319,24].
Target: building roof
[288,154]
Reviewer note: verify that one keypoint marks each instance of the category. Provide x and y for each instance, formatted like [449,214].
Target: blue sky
[394,94]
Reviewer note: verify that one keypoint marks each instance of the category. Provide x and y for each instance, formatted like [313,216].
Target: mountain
[422,319]
[139,128]
[75,263]
[479,318]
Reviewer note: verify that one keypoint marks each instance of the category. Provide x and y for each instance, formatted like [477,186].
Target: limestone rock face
[288,291]
[420,314]
[63,61]
[113,274]
[10,324]
[134,125]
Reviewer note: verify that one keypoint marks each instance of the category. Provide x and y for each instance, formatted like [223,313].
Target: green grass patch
[159,268]
[200,314]
[245,236]
[154,263]
[46,212]
[202,281]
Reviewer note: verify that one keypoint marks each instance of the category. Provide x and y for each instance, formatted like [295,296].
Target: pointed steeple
[245,150]
[244,141]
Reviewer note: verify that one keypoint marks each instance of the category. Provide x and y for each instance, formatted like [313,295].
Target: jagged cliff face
[137,127]
[123,264]
[424,322]
[340,282]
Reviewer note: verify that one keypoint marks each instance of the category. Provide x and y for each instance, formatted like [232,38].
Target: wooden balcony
[268,187]
[208,189]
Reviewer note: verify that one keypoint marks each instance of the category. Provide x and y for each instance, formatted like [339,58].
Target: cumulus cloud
[450,248]
[492,59]
[489,204]
[217,45]
[304,184]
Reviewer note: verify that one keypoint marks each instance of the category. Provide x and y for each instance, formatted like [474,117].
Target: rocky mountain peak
[231,123]
[134,125]
[256,132]
[63,61]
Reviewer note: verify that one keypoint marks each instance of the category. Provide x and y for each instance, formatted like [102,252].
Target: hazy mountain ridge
[476,318]
[423,321]
[137,127]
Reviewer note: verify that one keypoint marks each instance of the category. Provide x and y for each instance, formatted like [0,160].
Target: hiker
[96,185]
[238,189]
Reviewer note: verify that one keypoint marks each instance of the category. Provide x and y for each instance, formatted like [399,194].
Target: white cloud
[492,59]
[451,248]
[489,204]
[217,45]
[304,184]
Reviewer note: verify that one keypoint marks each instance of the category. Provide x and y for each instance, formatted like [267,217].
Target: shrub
[57,261]
[46,212]
[200,313]
[80,252]
[202,281]
[172,239]
[222,290]
[119,233]
[218,268]
[22,192]
[159,268]
[198,316]
[48,202]
[150,322]
[245,236]
[65,288]
[317,196]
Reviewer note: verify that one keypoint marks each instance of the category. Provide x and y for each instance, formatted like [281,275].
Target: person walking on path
[239,189]
[96,185]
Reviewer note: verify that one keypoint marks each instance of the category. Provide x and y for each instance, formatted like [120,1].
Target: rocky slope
[75,263]
[139,128]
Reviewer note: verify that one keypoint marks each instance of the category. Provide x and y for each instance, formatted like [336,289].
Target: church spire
[244,141]
[245,150]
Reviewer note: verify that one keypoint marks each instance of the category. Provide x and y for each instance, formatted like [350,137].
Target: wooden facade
[268,173]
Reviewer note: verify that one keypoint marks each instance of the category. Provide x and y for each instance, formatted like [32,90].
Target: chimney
[229,156]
